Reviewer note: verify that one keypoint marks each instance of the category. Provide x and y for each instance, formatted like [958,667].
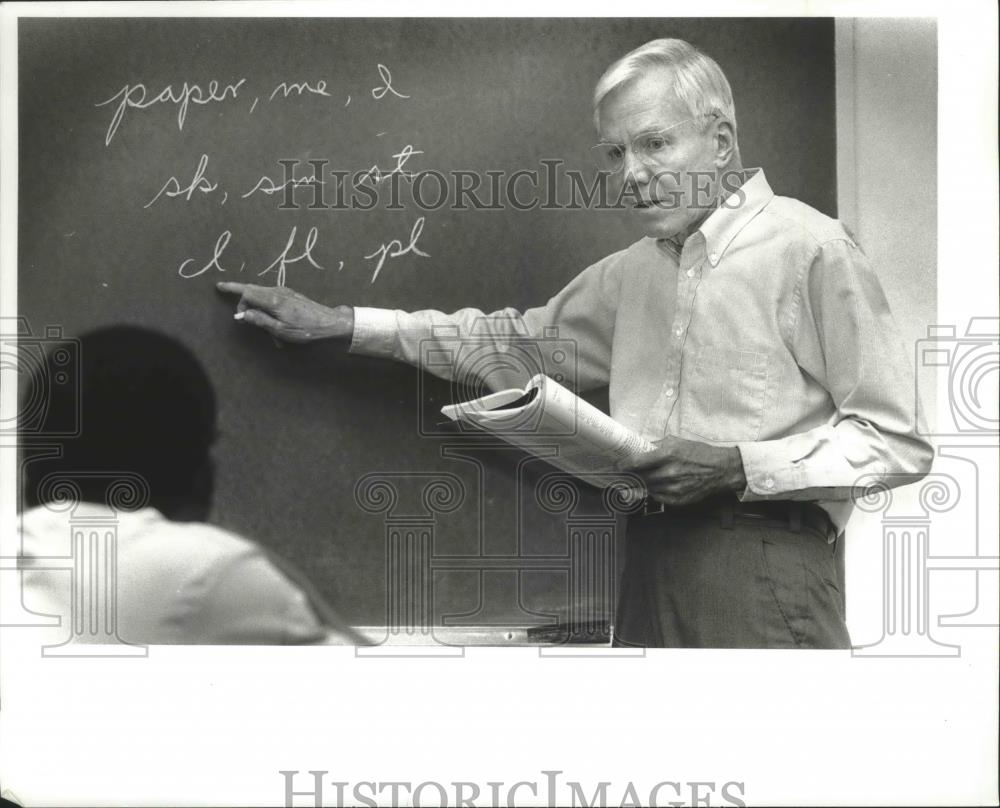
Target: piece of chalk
[239,315]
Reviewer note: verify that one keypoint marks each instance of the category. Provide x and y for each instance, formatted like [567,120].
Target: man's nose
[634,170]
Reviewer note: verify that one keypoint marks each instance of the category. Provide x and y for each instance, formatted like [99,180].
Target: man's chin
[665,225]
[656,229]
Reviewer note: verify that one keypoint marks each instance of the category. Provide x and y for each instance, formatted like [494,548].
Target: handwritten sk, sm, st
[200,183]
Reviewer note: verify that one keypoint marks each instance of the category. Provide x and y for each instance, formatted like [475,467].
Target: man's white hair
[696,78]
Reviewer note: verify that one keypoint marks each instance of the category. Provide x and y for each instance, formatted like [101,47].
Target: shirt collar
[731,216]
[734,213]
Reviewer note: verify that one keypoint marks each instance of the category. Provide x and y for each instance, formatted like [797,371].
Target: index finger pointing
[231,287]
[259,297]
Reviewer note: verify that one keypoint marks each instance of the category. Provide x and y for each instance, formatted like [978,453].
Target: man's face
[682,180]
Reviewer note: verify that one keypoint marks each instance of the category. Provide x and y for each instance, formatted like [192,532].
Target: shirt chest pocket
[722,394]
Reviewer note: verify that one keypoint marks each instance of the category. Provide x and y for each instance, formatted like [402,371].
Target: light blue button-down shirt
[769,331]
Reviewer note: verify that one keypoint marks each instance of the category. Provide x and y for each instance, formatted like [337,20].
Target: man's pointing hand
[287,315]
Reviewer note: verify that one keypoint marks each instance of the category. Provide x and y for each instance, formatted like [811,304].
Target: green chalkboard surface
[152,154]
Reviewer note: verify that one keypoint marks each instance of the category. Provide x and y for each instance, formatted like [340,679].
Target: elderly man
[746,334]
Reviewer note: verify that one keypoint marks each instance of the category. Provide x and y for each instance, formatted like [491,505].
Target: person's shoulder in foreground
[170,577]
[184,583]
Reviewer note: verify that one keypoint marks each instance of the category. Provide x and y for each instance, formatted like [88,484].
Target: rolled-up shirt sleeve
[579,320]
[842,334]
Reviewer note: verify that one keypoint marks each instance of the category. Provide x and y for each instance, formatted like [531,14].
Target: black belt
[730,511]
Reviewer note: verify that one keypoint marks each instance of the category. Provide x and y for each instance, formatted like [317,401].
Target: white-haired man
[746,334]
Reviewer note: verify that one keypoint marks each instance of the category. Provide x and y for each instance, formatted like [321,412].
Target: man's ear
[725,142]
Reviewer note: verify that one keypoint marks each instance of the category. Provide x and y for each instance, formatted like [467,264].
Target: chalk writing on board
[375,174]
[278,265]
[402,157]
[135,96]
[213,263]
[386,87]
[395,248]
[138,97]
[266,185]
[199,182]
[284,259]
[287,88]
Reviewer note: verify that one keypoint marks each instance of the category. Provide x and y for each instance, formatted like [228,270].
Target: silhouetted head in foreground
[147,407]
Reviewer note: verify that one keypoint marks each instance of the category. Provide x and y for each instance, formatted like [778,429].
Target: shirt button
[678,331]
[769,483]
[670,392]
[691,273]
[714,258]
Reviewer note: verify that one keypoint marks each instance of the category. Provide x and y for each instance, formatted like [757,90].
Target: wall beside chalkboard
[154,155]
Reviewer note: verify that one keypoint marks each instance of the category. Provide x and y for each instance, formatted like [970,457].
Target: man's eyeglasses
[649,148]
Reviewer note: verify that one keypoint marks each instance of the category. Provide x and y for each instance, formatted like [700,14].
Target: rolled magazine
[545,415]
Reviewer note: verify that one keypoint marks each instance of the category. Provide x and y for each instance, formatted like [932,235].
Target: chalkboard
[312,441]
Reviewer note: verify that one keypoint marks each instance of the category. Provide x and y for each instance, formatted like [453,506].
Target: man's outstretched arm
[581,315]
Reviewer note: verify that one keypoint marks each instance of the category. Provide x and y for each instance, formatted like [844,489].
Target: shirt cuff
[375,332]
[767,476]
